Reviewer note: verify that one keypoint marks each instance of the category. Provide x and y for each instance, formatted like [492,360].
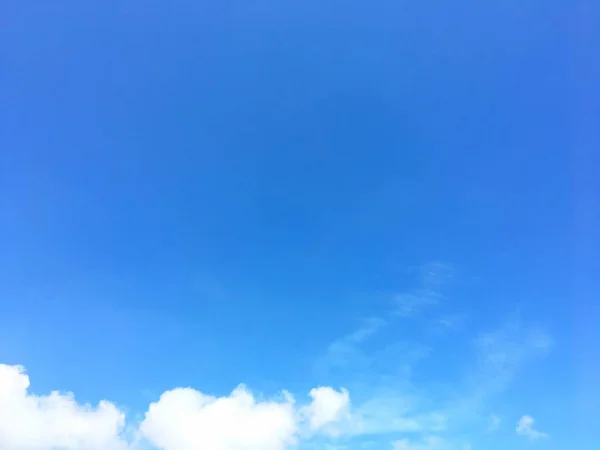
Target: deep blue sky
[206,193]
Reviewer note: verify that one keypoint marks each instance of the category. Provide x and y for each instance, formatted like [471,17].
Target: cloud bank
[182,419]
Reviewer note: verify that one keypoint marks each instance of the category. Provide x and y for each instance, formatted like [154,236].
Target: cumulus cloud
[525,427]
[181,419]
[30,422]
[328,407]
[185,419]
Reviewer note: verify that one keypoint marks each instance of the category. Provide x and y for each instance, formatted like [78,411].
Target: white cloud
[328,407]
[525,427]
[30,422]
[182,419]
[185,419]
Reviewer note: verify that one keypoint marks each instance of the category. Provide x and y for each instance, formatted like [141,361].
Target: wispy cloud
[379,364]
[412,303]
[502,352]
[448,323]
[386,400]
[429,443]
[346,353]
[432,278]
[368,328]
[386,419]
[494,422]
[499,356]
[525,427]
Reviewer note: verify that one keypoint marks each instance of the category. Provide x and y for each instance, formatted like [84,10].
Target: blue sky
[396,202]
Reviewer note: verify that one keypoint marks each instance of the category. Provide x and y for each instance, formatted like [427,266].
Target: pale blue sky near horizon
[384,196]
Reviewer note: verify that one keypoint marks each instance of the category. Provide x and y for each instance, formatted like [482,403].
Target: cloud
[30,422]
[436,273]
[494,422]
[368,329]
[411,303]
[433,277]
[392,422]
[182,419]
[390,396]
[389,399]
[345,353]
[380,376]
[448,323]
[506,348]
[525,427]
[328,407]
[428,443]
[502,354]
[185,419]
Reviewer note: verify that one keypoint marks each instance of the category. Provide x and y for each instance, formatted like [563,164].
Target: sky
[316,225]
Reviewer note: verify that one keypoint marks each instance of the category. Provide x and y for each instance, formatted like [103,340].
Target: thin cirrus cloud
[386,402]
[429,443]
[449,322]
[494,422]
[389,398]
[182,419]
[432,278]
[347,353]
[500,355]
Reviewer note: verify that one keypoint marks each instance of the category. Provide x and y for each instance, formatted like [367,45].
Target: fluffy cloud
[185,419]
[525,428]
[182,419]
[328,407]
[30,422]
